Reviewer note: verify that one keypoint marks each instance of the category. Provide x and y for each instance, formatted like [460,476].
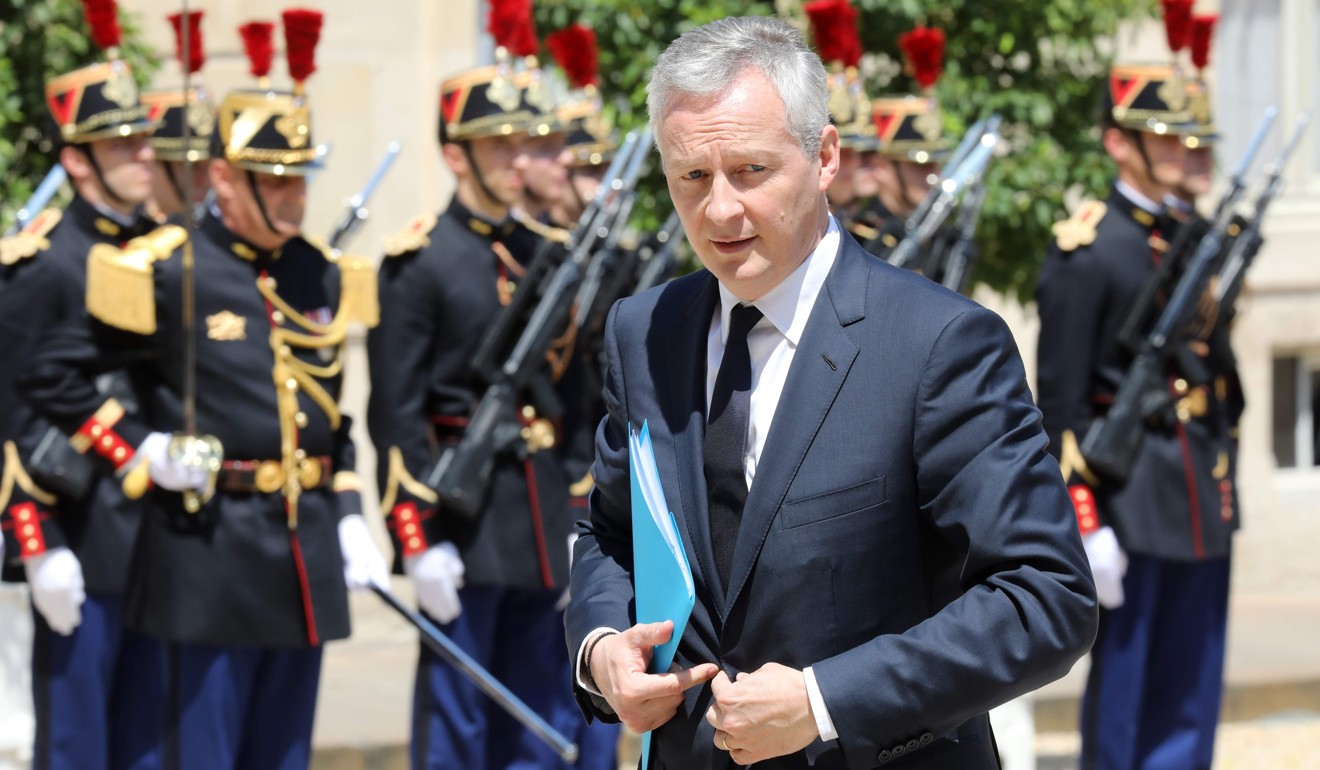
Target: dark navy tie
[726,437]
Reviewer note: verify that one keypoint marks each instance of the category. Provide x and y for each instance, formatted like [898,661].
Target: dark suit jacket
[906,533]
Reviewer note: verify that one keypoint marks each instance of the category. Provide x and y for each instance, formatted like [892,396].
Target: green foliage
[1040,63]
[40,39]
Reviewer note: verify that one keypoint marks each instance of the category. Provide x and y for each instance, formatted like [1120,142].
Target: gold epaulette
[31,240]
[862,231]
[121,288]
[1079,229]
[359,299]
[548,232]
[412,237]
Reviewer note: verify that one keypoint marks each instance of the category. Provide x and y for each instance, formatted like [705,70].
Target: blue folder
[662,576]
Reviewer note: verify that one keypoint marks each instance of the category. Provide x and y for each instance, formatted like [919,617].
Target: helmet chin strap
[261,203]
[479,177]
[1139,139]
[175,185]
[86,150]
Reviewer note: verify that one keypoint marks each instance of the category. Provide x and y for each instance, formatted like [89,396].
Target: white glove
[167,472]
[363,564]
[56,581]
[1108,565]
[437,573]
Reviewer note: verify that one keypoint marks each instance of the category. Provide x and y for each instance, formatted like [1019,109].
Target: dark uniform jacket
[45,287]
[441,287]
[260,563]
[1179,501]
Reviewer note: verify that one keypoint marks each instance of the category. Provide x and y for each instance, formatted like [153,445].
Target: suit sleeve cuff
[824,725]
[580,672]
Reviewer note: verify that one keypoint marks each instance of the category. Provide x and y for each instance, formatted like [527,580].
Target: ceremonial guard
[254,524]
[589,144]
[852,193]
[184,121]
[492,578]
[910,130]
[68,528]
[1158,541]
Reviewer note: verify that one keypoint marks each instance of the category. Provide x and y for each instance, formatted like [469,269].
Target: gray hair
[706,61]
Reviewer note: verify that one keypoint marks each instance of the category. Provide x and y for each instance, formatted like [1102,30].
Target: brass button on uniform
[309,472]
[300,419]
[268,476]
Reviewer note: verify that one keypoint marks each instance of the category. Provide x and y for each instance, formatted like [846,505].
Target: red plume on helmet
[302,31]
[512,27]
[923,51]
[196,54]
[103,18]
[574,48]
[1177,22]
[1203,32]
[257,42]
[834,28]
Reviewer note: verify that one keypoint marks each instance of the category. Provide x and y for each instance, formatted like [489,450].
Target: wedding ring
[724,743]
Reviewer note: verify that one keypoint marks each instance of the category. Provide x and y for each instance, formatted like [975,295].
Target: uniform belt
[449,427]
[267,476]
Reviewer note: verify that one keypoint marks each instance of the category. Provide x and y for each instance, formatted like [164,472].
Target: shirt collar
[788,304]
[1130,192]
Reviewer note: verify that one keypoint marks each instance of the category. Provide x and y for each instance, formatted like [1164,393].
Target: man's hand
[437,574]
[56,581]
[363,564]
[168,472]
[762,715]
[1108,566]
[643,701]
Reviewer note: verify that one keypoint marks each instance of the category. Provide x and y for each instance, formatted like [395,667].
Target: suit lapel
[685,408]
[821,364]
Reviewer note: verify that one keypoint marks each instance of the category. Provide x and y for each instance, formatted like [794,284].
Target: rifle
[659,257]
[48,188]
[958,260]
[511,356]
[1139,317]
[1112,441]
[921,226]
[357,205]
[603,280]
[1248,240]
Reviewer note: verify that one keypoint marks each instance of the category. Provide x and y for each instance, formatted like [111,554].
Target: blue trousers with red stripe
[234,708]
[518,636]
[1157,669]
[98,693]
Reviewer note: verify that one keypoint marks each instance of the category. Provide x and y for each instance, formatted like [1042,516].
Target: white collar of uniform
[1131,194]
[788,304]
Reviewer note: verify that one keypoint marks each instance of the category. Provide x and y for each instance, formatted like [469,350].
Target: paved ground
[1272,710]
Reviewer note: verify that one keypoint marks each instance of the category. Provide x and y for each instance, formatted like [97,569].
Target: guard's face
[587,180]
[1198,172]
[843,191]
[283,197]
[751,201]
[164,192]
[545,175]
[918,178]
[866,180]
[125,163]
[502,161]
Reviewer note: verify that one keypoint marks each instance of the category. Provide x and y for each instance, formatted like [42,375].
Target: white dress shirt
[771,344]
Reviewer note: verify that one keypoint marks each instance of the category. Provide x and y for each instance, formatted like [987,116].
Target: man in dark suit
[881,547]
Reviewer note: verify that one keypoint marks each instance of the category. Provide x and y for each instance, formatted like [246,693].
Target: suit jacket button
[886,755]
[913,745]
[927,738]
[899,750]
